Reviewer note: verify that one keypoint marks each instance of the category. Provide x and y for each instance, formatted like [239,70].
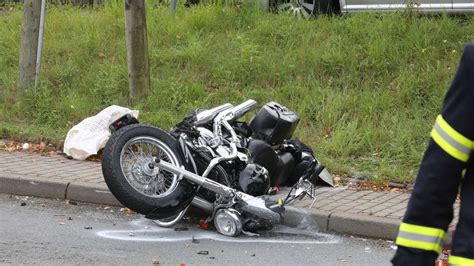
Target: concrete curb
[91,193]
[367,226]
[345,223]
[322,219]
[56,189]
[19,185]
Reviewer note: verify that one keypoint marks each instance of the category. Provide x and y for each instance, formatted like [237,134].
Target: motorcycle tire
[126,175]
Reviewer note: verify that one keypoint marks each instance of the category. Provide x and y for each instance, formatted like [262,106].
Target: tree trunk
[29,43]
[137,49]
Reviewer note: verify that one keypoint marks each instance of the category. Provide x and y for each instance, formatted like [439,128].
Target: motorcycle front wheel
[125,166]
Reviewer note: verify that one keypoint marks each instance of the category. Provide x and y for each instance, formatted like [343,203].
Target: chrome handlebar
[206,116]
[241,109]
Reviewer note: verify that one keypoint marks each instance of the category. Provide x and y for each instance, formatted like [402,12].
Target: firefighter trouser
[446,166]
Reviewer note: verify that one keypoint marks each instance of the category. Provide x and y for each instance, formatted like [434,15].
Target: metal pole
[40,41]
[173,6]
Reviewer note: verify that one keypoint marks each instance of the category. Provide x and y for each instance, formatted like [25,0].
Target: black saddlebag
[274,123]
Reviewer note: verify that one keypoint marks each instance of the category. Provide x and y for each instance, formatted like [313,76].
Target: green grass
[367,87]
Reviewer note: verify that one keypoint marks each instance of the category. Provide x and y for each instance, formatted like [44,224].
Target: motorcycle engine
[254,180]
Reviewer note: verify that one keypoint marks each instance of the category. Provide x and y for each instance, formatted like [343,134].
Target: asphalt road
[50,232]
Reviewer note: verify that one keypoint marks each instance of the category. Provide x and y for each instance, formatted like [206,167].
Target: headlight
[227,222]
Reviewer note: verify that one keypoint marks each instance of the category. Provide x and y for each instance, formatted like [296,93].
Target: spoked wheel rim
[135,158]
[299,8]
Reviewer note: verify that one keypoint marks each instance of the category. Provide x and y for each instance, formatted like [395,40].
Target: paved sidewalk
[363,213]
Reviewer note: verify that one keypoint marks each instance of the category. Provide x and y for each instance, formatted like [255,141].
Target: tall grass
[367,86]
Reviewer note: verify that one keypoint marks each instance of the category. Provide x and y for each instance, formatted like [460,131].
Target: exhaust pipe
[248,203]
[203,204]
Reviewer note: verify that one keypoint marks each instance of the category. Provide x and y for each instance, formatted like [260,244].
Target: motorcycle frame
[248,203]
[229,197]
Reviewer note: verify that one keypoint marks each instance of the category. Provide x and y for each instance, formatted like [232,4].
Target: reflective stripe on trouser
[451,141]
[420,237]
[460,261]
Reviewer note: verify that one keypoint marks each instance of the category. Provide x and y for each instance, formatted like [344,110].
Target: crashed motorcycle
[213,161]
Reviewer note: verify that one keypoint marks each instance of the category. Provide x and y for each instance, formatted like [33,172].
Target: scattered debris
[43,205]
[250,233]
[88,227]
[203,224]
[397,185]
[253,255]
[25,146]
[23,203]
[212,258]
[128,211]
[69,218]
[194,240]
[203,252]
[106,208]
[71,202]
[131,234]
[156,262]
[62,223]
[17,145]
[367,250]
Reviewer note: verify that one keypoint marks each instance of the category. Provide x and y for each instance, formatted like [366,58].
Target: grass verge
[366,86]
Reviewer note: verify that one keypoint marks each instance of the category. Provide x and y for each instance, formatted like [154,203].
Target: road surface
[49,232]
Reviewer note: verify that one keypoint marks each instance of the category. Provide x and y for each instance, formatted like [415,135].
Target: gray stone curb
[91,193]
[367,226]
[18,185]
[352,224]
